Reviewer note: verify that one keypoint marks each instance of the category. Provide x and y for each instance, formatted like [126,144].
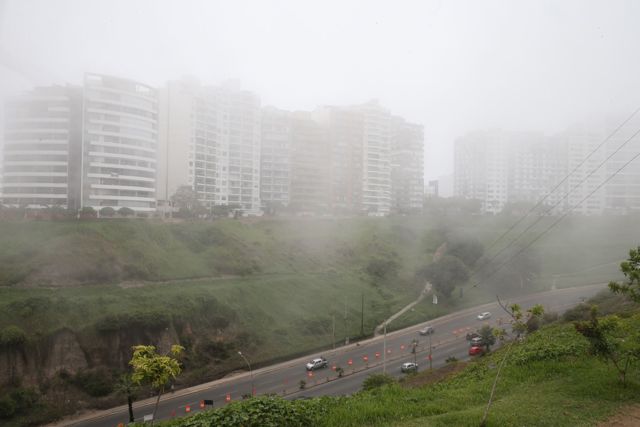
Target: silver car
[317,364]
[409,367]
[426,330]
[484,316]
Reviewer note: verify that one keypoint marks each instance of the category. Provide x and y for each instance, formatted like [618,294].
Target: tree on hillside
[125,211]
[126,387]
[511,270]
[612,341]
[488,336]
[631,269]
[186,200]
[468,250]
[445,274]
[107,212]
[155,369]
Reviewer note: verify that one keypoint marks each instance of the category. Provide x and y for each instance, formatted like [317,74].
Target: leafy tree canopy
[631,269]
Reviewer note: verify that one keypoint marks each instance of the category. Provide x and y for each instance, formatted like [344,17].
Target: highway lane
[284,378]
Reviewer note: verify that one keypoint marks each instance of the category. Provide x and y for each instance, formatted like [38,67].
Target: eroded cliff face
[71,352]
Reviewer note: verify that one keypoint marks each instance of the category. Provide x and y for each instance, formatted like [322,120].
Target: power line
[523,232]
[562,217]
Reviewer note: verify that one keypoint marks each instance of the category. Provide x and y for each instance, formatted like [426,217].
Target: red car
[475,350]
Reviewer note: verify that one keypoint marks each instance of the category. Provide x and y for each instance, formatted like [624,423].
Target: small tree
[107,212]
[445,274]
[186,200]
[488,337]
[126,387]
[611,341]
[377,380]
[155,369]
[631,269]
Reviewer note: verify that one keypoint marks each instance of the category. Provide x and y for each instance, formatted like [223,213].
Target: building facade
[42,141]
[120,144]
[210,141]
[407,166]
[275,159]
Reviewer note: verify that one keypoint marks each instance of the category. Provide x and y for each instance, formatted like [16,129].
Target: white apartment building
[40,134]
[275,160]
[376,158]
[481,169]
[120,142]
[407,165]
[210,141]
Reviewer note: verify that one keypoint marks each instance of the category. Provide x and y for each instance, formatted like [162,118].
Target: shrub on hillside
[262,411]
[107,212]
[125,211]
[579,312]
[95,383]
[7,407]
[12,337]
[377,380]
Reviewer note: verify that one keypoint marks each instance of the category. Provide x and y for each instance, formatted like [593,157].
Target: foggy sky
[451,66]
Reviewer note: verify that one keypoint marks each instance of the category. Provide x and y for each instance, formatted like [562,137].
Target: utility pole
[333,331]
[430,361]
[346,329]
[362,318]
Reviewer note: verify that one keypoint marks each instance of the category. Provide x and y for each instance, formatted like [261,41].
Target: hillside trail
[426,291]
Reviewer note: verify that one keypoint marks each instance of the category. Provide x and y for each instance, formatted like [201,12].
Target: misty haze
[305,213]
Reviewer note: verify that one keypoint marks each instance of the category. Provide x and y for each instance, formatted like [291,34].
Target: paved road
[357,360]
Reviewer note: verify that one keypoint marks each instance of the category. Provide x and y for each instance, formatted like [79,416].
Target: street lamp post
[384,350]
[253,390]
[430,362]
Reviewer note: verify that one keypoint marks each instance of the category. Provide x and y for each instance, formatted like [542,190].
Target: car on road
[318,363]
[409,367]
[476,341]
[475,350]
[484,316]
[427,330]
[472,335]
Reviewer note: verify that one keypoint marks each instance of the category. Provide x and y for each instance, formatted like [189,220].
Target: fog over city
[453,67]
[319,213]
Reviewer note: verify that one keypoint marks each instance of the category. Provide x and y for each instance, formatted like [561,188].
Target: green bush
[96,383]
[579,312]
[12,336]
[262,411]
[377,380]
[7,407]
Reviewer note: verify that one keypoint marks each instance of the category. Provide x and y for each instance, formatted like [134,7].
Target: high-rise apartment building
[345,139]
[376,188]
[481,169]
[310,164]
[42,142]
[120,143]
[210,141]
[275,160]
[407,166]
[74,147]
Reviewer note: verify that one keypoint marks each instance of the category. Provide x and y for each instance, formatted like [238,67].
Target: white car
[426,330]
[484,316]
[409,367]
[317,364]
